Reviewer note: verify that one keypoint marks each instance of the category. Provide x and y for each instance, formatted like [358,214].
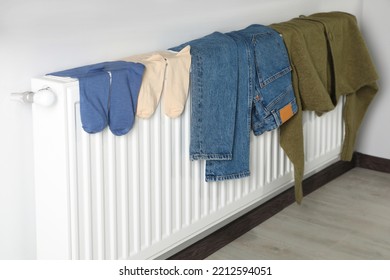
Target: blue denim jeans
[273,99]
[251,67]
[238,166]
[213,91]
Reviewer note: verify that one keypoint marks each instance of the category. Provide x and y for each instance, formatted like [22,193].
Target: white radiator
[139,196]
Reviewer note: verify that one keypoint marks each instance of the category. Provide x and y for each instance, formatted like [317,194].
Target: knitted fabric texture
[330,60]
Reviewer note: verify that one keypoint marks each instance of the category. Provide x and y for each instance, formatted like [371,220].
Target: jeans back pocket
[273,70]
[274,100]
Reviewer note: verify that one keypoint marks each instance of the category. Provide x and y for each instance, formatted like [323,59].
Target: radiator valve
[44,97]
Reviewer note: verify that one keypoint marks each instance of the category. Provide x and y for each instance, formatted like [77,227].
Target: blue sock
[107,100]
[94,96]
[125,85]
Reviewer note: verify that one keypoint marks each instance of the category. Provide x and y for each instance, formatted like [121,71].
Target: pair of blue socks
[108,94]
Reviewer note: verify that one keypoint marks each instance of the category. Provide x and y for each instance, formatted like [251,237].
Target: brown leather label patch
[286,113]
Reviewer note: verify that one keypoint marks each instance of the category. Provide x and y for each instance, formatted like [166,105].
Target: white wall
[41,36]
[375,131]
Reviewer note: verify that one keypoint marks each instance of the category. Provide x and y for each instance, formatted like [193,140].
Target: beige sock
[152,82]
[177,76]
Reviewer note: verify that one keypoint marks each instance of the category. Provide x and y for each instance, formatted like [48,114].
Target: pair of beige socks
[166,73]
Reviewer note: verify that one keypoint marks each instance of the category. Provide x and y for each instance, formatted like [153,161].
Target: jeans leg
[238,167]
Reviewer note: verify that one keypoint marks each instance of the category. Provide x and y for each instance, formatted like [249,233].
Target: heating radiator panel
[139,196]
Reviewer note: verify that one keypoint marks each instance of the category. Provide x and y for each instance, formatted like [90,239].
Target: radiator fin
[139,195]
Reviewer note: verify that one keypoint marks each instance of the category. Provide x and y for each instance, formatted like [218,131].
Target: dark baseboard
[243,224]
[326,175]
[218,239]
[373,163]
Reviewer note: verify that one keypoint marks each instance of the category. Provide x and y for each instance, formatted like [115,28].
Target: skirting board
[243,224]
[371,162]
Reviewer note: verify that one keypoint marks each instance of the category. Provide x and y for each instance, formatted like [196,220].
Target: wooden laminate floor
[349,218]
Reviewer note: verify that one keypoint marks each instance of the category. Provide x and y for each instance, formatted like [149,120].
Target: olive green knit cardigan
[329,59]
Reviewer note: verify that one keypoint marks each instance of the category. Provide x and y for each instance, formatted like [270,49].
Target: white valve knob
[44,97]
